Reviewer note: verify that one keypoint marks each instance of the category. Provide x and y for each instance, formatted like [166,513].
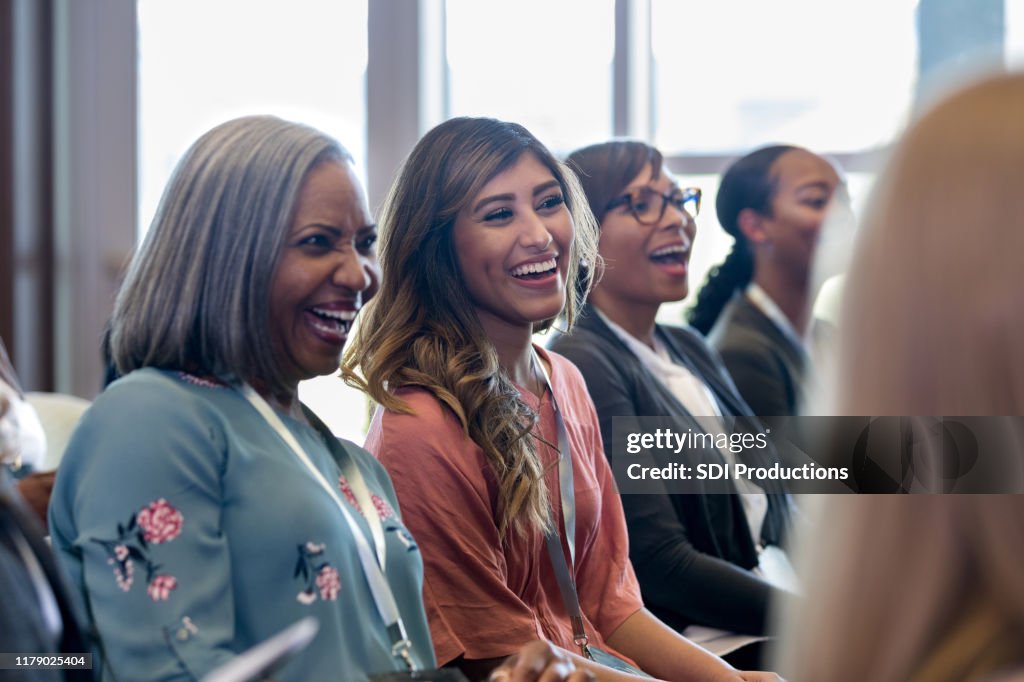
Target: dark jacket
[22,628]
[768,367]
[691,553]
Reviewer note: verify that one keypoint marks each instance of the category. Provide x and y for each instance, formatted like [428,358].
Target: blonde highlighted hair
[422,329]
[932,322]
[927,588]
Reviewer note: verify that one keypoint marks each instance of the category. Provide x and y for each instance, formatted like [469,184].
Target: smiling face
[645,265]
[804,186]
[327,264]
[512,243]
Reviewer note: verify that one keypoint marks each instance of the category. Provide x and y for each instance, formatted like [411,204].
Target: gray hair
[196,294]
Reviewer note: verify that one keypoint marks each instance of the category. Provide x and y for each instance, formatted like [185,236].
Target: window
[202,63]
[546,65]
[732,75]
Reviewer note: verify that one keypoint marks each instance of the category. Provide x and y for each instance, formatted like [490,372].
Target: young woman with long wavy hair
[482,237]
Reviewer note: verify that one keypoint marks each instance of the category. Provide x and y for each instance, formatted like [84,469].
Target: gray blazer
[692,553]
[769,369]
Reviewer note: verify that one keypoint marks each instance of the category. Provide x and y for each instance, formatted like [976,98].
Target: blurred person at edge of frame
[25,442]
[37,612]
[200,507]
[928,588]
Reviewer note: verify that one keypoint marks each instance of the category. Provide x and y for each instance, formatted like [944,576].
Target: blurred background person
[38,614]
[927,588]
[755,307]
[697,557]
[25,441]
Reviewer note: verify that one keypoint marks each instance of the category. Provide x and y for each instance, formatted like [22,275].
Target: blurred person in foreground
[928,588]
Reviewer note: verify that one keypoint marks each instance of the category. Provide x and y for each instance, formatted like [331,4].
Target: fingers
[557,672]
[539,662]
[760,676]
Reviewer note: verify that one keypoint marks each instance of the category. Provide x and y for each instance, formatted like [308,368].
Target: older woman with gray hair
[200,507]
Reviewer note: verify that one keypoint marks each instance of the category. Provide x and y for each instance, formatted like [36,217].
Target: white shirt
[22,440]
[698,399]
[763,302]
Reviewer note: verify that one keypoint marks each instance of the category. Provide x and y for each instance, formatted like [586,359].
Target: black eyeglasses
[648,206]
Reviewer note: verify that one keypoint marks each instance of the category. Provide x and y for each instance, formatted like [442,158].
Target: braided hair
[747,183]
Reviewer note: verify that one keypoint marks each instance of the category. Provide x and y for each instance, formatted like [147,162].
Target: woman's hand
[539,662]
[759,676]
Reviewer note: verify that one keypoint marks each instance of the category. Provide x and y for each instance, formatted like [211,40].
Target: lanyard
[563,574]
[372,561]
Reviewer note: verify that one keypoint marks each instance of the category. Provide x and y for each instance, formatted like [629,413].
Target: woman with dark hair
[755,306]
[697,556]
[200,507]
[492,442]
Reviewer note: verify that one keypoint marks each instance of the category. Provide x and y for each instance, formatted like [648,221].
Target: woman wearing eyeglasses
[755,306]
[696,556]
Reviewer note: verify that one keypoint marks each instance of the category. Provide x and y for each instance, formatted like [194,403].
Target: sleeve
[438,477]
[135,520]
[674,575]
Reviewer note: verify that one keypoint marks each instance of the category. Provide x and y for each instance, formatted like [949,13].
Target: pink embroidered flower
[328,583]
[383,507]
[121,552]
[160,521]
[346,490]
[306,597]
[123,573]
[160,587]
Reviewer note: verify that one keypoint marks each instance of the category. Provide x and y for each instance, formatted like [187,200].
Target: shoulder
[582,344]
[594,358]
[148,415]
[427,414]
[741,327]
[691,342]
[153,397]
[685,334]
[429,434]
[563,368]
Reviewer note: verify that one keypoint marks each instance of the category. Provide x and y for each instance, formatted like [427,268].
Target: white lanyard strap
[373,564]
[563,572]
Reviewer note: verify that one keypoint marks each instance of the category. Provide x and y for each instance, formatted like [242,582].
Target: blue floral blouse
[193,533]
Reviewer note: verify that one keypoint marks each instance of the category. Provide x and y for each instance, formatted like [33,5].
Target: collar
[763,302]
[639,348]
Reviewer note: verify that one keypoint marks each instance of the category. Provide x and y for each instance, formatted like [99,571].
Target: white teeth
[532,268]
[674,248]
[331,327]
[343,315]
